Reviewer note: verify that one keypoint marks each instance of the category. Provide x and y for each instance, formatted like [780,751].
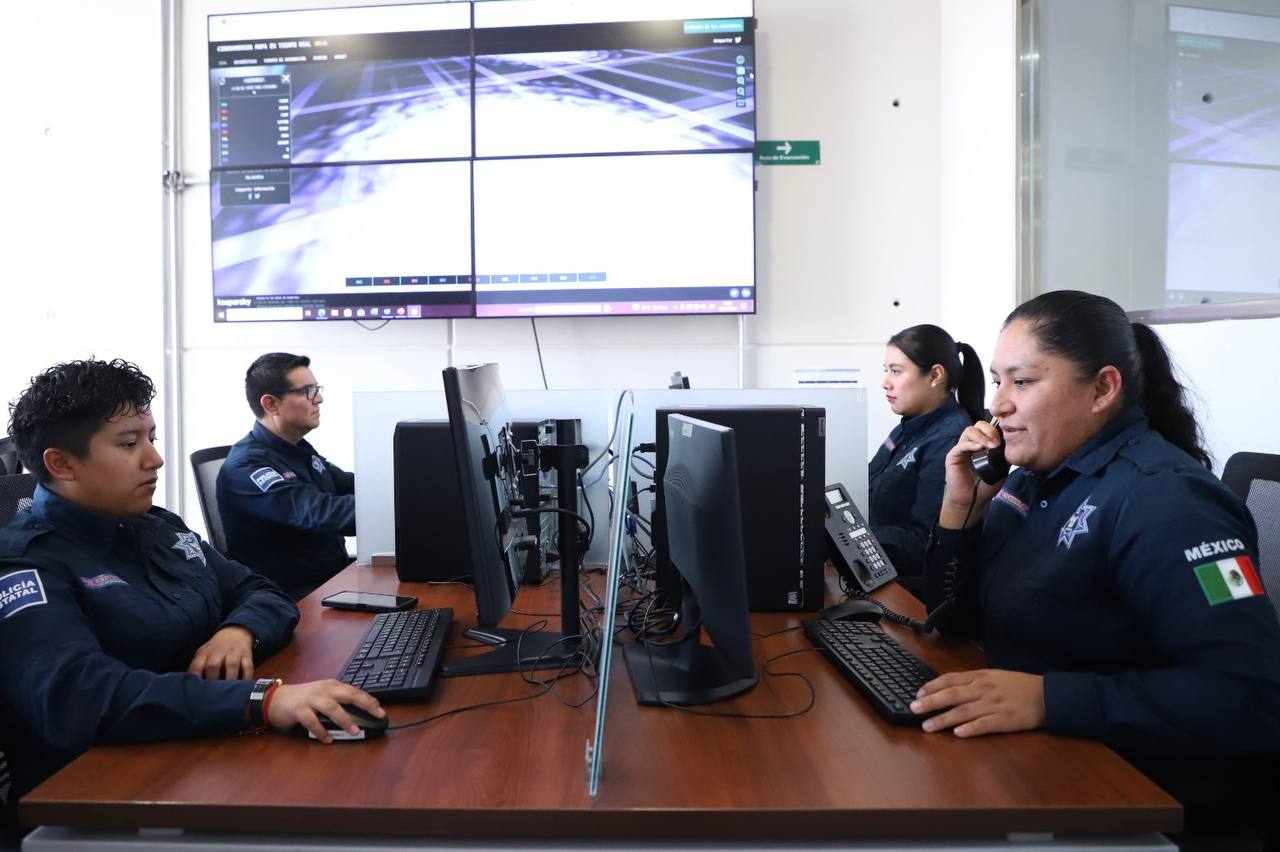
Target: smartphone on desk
[369,601]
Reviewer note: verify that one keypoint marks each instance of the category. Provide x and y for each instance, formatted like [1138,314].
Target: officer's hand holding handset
[298,703]
[963,506]
[985,701]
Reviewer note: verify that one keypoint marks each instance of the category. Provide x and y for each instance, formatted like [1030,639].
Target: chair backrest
[1255,478]
[15,495]
[206,464]
[9,457]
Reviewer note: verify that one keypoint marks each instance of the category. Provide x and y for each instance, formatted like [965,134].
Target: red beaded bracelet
[266,703]
[259,701]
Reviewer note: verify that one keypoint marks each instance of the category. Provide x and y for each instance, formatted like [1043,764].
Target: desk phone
[851,547]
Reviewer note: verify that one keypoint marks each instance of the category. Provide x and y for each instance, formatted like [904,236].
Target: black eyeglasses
[310,390]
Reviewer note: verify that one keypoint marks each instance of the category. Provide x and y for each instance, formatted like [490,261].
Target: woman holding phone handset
[1111,578]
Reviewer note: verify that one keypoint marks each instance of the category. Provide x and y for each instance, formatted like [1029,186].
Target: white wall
[978,188]
[1230,366]
[80,225]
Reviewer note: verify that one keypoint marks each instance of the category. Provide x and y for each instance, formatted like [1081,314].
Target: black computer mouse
[854,610]
[370,726]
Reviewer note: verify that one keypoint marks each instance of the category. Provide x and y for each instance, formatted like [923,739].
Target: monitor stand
[529,650]
[515,651]
[684,673]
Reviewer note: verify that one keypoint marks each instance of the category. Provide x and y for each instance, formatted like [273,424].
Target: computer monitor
[485,465]
[704,538]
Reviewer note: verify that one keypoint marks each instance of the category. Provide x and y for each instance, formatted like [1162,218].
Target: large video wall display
[497,158]
[1224,156]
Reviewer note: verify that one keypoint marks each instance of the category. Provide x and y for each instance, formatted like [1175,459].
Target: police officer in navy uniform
[1111,578]
[118,623]
[923,374]
[285,509]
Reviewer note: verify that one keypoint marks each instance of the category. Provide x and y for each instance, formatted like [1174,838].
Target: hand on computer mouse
[370,727]
[856,609]
[303,703]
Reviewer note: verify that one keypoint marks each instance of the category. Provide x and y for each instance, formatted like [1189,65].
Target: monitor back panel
[781,467]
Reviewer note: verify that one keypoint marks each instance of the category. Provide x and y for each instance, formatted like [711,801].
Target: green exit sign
[787,152]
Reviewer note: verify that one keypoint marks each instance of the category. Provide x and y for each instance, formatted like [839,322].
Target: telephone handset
[851,547]
[991,465]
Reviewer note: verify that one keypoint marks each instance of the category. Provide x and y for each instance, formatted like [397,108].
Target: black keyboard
[398,655]
[887,674]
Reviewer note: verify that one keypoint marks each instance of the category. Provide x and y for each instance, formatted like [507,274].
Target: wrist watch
[261,686]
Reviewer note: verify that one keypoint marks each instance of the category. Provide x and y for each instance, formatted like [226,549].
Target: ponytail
[970,385]
[927,345]
[1093,332]
[1164,397]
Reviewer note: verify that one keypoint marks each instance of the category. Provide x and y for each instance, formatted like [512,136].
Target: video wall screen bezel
[681,79]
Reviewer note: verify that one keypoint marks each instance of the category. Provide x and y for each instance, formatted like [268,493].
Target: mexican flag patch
[1228,579]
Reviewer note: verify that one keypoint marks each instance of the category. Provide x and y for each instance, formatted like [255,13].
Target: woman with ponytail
[923,375]
[1111,578]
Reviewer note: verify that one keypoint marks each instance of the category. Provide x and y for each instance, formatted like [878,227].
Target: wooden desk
[518,770]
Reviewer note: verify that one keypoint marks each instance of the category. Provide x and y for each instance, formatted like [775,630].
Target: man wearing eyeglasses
[285,509]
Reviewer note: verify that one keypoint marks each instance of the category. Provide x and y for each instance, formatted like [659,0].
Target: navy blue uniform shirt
[905,486]
[1127,577]
[285,510]
[100,617]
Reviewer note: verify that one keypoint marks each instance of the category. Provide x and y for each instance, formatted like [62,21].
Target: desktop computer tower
[782,464]
[532,483]
[538,488]
[428,507]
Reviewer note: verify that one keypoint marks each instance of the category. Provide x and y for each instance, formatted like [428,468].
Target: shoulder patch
[317,464]
[265,477]
[19,590]
[1228,580]
[1009,499]
[102,581]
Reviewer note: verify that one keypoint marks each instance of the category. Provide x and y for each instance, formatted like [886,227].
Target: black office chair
[206,464]
[1255,478]
[9,457]
[15,495]
[10,836]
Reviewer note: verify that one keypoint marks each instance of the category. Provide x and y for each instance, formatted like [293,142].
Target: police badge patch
[19,590]
[317,464]
[189,544]
[907,460]
[265,477]
[1077,524]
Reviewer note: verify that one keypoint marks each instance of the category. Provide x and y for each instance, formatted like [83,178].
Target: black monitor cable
[791,714]
[546,685]
[948,583]
[546,510]
[778,631]
[533,321]
[645,634]
[732,714]
[460,580]
[591,513]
